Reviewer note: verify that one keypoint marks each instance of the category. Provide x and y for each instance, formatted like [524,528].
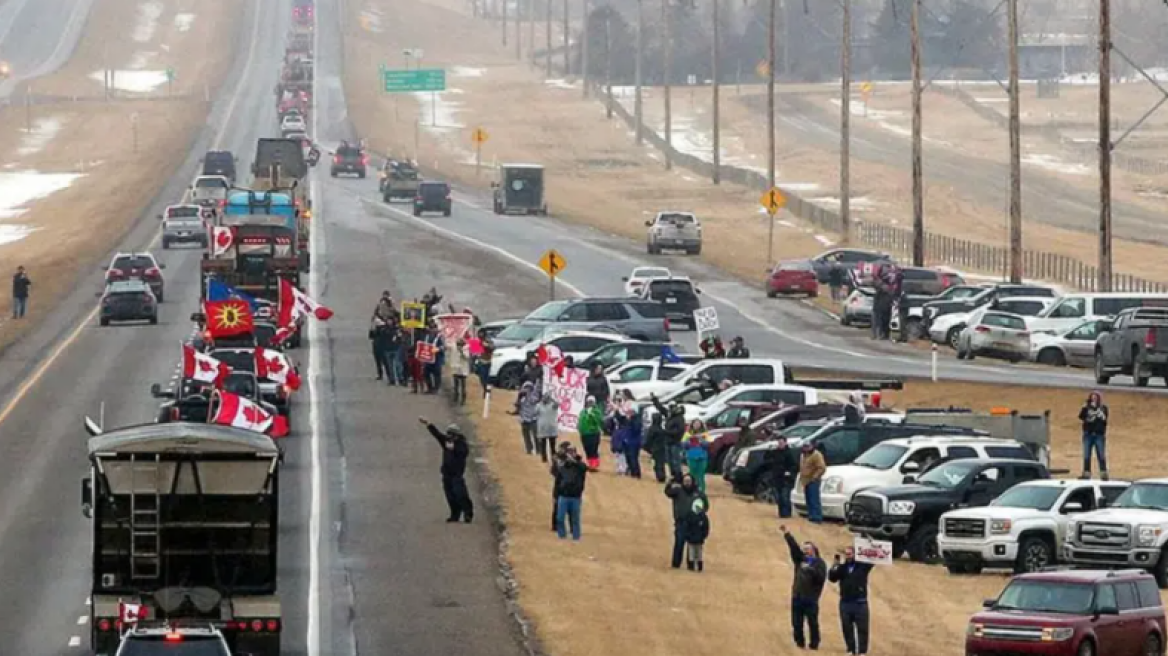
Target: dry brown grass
[614,589]
[79,223]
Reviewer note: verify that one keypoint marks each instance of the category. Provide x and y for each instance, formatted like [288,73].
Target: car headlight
[902,507]
[1070,534]
[1057,633]
[974,630]
[1146,536]
[833,484]
[1000,526]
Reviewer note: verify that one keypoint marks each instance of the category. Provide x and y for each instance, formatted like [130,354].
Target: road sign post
[552,264]
[865,94]
[479,137]
[170,81]
[772,201]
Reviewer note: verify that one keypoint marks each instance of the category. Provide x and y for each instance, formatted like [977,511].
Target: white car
[1070,347]
[635,281]
[293,123]
[507,363]
[1023,306]
[754,371]
[890,463]
[1021,530]
[995,334]
[632,374]
[713,406]
[947,328]
[205,641]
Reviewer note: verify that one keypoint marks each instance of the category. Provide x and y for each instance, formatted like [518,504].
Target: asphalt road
[367,563]
[38,36]
[1045,198]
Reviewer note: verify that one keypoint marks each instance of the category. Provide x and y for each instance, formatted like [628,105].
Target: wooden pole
[608,62]
[667,19]
[771,126]
[567,42]
[918,190]
[638,111]
[1104,283]
[1016,272]
[547,54]
[715,72]
[846,123]
[504,20]
[585,38]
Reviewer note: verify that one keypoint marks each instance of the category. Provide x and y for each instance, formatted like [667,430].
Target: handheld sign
[874,552]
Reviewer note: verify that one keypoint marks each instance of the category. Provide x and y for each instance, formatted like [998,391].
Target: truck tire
[154,320]
[1101,375]
[1160,571]
[361,174]
[695,251]
[963,569]
[104,321]
[1153,646]
[922,544]
[1034,553]
[1086,648]
[1140,373]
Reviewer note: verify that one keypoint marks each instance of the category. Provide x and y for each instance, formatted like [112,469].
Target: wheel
[154,320]
[1140,370]
[361,174]
[952,337]
[649,249]
[1086,648]
[1153,646]
[1052,357]
[333,173]
[498,208]
[696,251]
[963,569]
[1160,571]
[764,491]
[446,212]
[161,296]
[104,321]
[1101,375]
[417,212]
[960,354]
[771,293]
[914,329]
[385,198]
[508,377]
[898,547]
[1034,554]
[922,545]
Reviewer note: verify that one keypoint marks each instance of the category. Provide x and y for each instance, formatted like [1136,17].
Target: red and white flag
[276,367]
[551,358]
[203,368]
[238,412]
[130,613]
[284,333]
[295,303]
[222,238]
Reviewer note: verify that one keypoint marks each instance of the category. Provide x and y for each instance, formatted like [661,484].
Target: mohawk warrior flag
[295,304]
[228,318]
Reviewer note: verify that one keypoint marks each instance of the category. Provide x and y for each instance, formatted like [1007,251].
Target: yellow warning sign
[763,68]
[773,201]
[553,263]
[478,136]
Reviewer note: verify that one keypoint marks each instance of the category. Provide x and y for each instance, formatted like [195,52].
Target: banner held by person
[426,353]
[570,389]
[454,326]
[873,552]
[705,320]
[413,315]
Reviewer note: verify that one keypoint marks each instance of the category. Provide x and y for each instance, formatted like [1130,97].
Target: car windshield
[649,272]
[1148,496]
[1033,497]
[1024,308]
[660,288]
[132,262]
[183,212]
[728,418]
[237,360]
[608,355]
[796,265]
[803,429]
[211,182]
[882,456]
[1047,597]
[188,646]
[549,311]
[948,476]
[521,332]
[241,385]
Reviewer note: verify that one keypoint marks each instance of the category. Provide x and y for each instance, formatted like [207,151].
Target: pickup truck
[349,159]
[399,180]
[674,231]
[1135,344]
[183,224]
[1023,529]
[1132,531]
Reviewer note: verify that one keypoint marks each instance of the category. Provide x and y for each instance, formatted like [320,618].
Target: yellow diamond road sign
[553,263]
[773,201]
[866,87]
[479,136]
[763,69]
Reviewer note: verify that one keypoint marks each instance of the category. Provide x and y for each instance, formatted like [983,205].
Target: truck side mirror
[1072,507]
[648,224]
[198,317]
[156,390]
[87,497]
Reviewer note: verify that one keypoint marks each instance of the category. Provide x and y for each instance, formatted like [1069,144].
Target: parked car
[1071,613]
[638,318]
[674,231]
[491,329]
[1074,346]
[1023,306]
[936,309]
[507,363]
[1021,530]
[613,356]
[754,371]
[1132,531]
[994,334]
[847,258]
[927,281]
[220,162]
[351,160]
[640,275]
[1072,309]
[917,304]
[433,196]
[707,409]
[518,333]
[857,307]
[1135,344]
[128,300]
[678,295]
[792,277]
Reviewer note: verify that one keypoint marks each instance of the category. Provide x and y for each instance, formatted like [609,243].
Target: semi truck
[185,521]
[265,247]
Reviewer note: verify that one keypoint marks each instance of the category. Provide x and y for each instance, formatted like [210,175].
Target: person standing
[657,446]
[572,473]
[598,388]
[853,609]
[433,370]
[697,455]
[784,470]
[20,285]
[590,424]
[547,426]
[379,336]
[527,409]
[881,304]
[696,530]
[738,350]
[630,429]
[459,370]
[854,410]
[1093,416]
[806,588]
[835,280]
[900,301]
[561,451]
[455,452]
[483,361]
[683,493]
[811,470]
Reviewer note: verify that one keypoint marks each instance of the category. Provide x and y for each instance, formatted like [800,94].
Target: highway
[38,36]
[366,560]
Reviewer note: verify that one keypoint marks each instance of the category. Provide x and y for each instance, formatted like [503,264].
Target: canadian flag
[130,613]
[203,368]
[295,303]
[222,238]
[238,412]
[276,367]
[283,333]
[552,357]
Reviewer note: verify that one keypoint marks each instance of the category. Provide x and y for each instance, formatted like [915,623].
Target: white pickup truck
[1132,531]
[759,371]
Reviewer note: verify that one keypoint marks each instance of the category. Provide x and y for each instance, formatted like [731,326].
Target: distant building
[1043,56]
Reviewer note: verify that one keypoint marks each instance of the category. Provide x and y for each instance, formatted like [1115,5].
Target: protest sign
[413,315]
[454,326]
[874,552]
[569,389]
[426,353]
[705,320]
[475,346]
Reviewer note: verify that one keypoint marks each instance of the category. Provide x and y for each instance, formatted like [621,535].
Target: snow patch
[437,113]
[859,202]
[824,240]
[467,71]
[134,81]
[42,133]
[561,84]
[17,190]
[141,60]
[183,22]
[798,186]
[1052,163]
[147,24]
[992,100]
[10,233]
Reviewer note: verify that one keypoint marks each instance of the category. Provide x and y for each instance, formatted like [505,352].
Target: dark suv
[220,162]
[678,295]
[909,514]
[1071,613]
[433,197]
[128,300]
[640,319]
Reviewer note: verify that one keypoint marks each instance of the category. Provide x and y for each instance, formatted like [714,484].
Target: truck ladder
[145,517]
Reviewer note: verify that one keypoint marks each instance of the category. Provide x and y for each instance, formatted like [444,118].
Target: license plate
[1005,346]
[183,233]
[671,300]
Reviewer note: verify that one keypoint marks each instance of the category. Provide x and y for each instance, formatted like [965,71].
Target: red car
[792,277]
[1071,613]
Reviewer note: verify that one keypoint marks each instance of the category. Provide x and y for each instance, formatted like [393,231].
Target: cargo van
[1072,309]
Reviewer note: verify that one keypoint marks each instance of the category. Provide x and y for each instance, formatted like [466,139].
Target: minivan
[1073,309]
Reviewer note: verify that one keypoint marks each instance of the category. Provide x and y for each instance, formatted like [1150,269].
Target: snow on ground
[1052,163]
[134,81]
[147,24]
[42,133]
[561,84]
[141,60]
[467,71]
[183,22]
[857,202]
[18,190]
[437,112]
[371,19]
[824,240]
[14,233]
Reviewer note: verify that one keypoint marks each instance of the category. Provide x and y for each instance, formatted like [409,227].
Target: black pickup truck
[909,514]
[1135,344]
[349,159]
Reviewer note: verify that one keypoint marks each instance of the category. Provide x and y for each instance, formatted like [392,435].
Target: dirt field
[96,140]
[615,586]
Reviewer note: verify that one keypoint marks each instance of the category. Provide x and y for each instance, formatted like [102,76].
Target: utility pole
[918,190]
[717,121]
[846,124]
[608,63]
[547,54]
[567,43]
[1015,151]
[531,31]
[771,126]
[504,20]
[637,110]
[667,19]
[1104,283]
[585,36]
[519,28]
[786,42]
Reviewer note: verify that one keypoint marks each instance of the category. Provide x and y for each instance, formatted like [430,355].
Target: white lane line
[75,641]
[84,619]
[315,530]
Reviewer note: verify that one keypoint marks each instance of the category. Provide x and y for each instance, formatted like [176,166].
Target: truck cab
[1131,531]
[1135,344]
[672,230]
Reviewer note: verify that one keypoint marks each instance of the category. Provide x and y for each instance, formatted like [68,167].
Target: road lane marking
[84,619]
[75,641]
[315,531]
[45,365]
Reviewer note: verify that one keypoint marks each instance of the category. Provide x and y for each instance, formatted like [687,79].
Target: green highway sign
[170,75]
[426,79]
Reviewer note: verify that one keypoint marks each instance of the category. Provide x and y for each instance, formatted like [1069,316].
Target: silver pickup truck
[183,224]
[674,231]
[209,190]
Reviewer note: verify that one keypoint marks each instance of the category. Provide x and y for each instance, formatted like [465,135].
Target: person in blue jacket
[852,577]
[806,589]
